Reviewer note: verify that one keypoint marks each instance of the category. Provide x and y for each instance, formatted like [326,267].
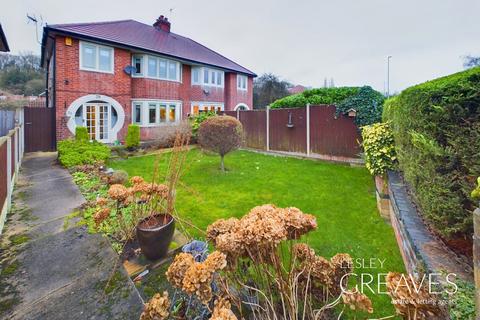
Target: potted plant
[155,231]
[146,209]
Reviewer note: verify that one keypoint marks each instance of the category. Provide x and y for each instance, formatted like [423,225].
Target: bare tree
[268,88]
[471,61]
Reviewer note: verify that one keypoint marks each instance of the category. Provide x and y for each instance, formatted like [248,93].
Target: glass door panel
[91,117]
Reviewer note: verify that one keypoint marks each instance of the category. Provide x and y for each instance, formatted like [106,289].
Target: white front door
[97,118]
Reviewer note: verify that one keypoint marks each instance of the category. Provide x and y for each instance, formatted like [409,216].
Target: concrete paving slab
[53,272]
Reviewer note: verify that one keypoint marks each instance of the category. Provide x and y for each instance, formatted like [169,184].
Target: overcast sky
[301,41]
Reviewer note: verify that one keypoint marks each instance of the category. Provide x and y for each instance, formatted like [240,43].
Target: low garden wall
[11,154]
[422,252]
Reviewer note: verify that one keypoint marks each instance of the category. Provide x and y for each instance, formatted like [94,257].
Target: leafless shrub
[164,136]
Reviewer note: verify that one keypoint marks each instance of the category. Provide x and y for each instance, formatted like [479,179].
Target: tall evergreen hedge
[436,127]
[365,100]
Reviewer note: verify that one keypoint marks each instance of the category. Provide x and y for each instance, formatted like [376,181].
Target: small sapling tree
[221,135]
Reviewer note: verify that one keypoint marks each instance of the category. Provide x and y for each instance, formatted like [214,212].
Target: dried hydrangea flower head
[223,310]
[176,271]
[342,265]
[357,301]
[219,227]
[101,201]
[216,261]
[198,281]
[101,215]
[322,271]
[118,192]
[262,227]
[195,278]
[302,252]
[157,308]
[296,222]
[414,297]
[136,180]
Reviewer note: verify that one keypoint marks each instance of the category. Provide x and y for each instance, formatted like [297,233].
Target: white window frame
[142,65]
[97,57]
[240,79]
[204,104]
[145,112]
[144,74]
[202,71]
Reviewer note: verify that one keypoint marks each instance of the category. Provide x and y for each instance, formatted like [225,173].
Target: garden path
[56,271]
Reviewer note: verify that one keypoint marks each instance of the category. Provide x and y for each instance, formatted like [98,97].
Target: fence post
[238,114]
[308,129]
[476,258]
[268,128]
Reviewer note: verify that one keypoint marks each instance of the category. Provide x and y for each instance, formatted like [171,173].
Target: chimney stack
[162,23]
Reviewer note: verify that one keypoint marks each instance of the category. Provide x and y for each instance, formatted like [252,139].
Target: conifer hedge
[436,127]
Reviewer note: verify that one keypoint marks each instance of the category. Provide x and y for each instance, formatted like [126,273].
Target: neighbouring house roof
[140,36]
[3,41]
[297,89]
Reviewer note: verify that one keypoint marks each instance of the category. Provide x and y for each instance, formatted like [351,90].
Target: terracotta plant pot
[154,235]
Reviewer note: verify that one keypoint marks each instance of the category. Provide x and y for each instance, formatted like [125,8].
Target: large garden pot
[155,238]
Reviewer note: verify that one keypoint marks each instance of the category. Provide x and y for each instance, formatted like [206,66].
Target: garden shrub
[221,135]
[81,134]
[367,102]
[164,136]
[118,177]
[77,152]
[436,127]
[196,121]
[316,96]
[379,148]
[132,140]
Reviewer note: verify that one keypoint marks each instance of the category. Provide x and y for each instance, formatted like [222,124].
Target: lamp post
[388,76]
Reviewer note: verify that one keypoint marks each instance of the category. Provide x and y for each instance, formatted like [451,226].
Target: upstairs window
[94,57]
[138,64]
[207,77]
[242,82]
[163,69]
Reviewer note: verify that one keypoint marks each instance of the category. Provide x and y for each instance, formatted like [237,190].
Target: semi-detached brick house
[107,75]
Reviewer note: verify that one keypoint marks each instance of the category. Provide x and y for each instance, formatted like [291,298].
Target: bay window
[156,67]
[207,77]
[94,57]
[150,113]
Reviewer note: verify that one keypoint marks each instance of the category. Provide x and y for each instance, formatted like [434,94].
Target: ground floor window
[155,112]
[198,107]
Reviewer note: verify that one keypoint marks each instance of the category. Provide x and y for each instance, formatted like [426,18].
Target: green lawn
[341,197]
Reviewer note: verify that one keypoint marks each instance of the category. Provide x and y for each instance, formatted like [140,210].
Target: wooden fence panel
[3,175]
[254,124]
[255,127]
[7,121]
[288,130]
[334,137]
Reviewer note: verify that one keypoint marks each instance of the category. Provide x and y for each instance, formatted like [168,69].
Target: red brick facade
[72,83]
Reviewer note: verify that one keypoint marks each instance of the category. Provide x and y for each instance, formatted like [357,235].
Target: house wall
[72,83]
